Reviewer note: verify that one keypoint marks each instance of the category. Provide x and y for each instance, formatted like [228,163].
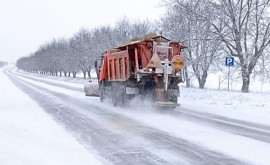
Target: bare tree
[186,26]
[80,51]
[82,47]
[262,70]
[125,29]
[243,27]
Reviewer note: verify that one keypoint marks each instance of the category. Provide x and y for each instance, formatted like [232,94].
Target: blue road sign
[229,61]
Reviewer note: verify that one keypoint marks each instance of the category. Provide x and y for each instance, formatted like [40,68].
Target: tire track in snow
[114,148]
[182,148]
[247,129]
[49,82]
[243,128]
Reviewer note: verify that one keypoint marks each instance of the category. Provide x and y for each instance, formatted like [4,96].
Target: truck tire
[122,96]
[118,95]
[114,95]
[114,101]
[102,91]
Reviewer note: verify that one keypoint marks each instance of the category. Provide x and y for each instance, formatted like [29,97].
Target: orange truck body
[150,68]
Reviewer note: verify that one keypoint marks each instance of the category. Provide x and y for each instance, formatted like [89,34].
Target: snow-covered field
[29,136]
[252,107]
[210,127]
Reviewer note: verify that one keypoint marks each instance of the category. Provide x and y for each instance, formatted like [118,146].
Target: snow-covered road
[143,135]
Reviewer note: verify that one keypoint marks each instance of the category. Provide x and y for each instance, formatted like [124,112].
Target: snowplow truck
[148,67]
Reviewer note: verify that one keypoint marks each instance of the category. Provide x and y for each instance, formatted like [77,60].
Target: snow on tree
[79,52]
[243,27]
[195,33]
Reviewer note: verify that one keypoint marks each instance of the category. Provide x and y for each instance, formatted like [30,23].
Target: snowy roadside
[29,136]
[251,107]
[60,80]
[73,81]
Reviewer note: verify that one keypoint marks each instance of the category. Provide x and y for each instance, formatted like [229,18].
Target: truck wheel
[102,97]
[114,95]
[122,96]
[114,101]
[174,99]
[102,92]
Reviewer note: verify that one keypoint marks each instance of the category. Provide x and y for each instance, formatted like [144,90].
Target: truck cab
[101,67]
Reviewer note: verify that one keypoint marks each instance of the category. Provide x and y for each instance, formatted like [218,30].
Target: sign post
[229,61]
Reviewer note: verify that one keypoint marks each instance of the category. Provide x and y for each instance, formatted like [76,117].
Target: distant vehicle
[150,67]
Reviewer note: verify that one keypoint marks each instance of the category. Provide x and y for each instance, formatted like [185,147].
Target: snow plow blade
[91,90]
[166,104]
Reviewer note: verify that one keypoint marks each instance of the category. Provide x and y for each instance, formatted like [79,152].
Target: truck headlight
[150,69]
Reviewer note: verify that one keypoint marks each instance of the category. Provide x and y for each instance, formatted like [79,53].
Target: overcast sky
[26,24]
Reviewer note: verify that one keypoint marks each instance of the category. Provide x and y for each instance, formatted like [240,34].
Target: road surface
[120,138]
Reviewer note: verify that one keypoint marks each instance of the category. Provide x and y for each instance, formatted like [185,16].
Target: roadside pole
[229,61]
[229,73]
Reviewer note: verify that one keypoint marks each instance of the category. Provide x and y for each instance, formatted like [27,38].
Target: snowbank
[253,107]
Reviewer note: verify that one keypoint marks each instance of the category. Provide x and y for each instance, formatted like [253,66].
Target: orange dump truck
[150,68]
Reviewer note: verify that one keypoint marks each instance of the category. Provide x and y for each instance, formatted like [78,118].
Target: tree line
[211,29]
[67,57]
